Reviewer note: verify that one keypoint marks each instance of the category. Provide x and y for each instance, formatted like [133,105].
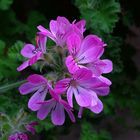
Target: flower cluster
[80,77]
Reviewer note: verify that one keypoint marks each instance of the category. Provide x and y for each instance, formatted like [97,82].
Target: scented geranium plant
[75,71]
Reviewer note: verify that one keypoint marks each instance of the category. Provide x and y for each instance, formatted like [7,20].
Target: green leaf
[89,133]
[7,87]
[101,15]
[14,51]
[5,4]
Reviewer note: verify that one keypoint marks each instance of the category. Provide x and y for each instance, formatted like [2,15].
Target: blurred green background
[117,22]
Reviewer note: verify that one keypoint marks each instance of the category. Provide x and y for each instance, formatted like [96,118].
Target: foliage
[101,15]
[89,133]
[5,4]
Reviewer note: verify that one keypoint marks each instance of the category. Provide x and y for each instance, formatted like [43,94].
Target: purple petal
[27,88]
[81,25]
[69,96]
[80,112]
[73,43]
[97,108]
[62,85]
[99,87]
[63,24]
[89,42]
[41,41]
[30,129]
[94,98]
[68,109]
[71,115]
[97,67]
[53,27]
[45,109]
[82,96]
[71,64]
[58,115]
[105,80]
[27,51]
[82,74]
[39,96]
[62,20]
[46,32]
[109,66]
[90,55]
[54,94]
[36,79]
[35,58]
[23,66]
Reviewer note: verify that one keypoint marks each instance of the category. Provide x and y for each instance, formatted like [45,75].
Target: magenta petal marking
[82,74]
[73,43]
[71,64]
[62,85]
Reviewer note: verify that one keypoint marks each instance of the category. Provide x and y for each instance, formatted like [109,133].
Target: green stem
[10,86]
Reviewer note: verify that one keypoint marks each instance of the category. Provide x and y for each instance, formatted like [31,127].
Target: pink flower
[84,87]
[86,53]
[33,53]
[56,107]
[61,28]
[18,136]
[38,84]
[30,127]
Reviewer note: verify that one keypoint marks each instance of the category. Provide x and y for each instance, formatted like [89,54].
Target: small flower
[30,127]
[34,53]
[56,107]
[18,136]
[86,53]
[84,87]
[61,28]
[38,84]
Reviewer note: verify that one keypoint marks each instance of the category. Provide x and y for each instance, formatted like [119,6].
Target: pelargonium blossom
[56,106]
[18,136]
[61,28]
[86,53]
[33,53]
[30,127]
[37,84]
[78,71]
[84,87]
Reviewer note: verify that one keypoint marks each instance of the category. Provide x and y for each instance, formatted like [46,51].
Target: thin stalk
[7,87]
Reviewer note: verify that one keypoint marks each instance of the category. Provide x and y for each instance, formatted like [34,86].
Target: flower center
[73,83]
